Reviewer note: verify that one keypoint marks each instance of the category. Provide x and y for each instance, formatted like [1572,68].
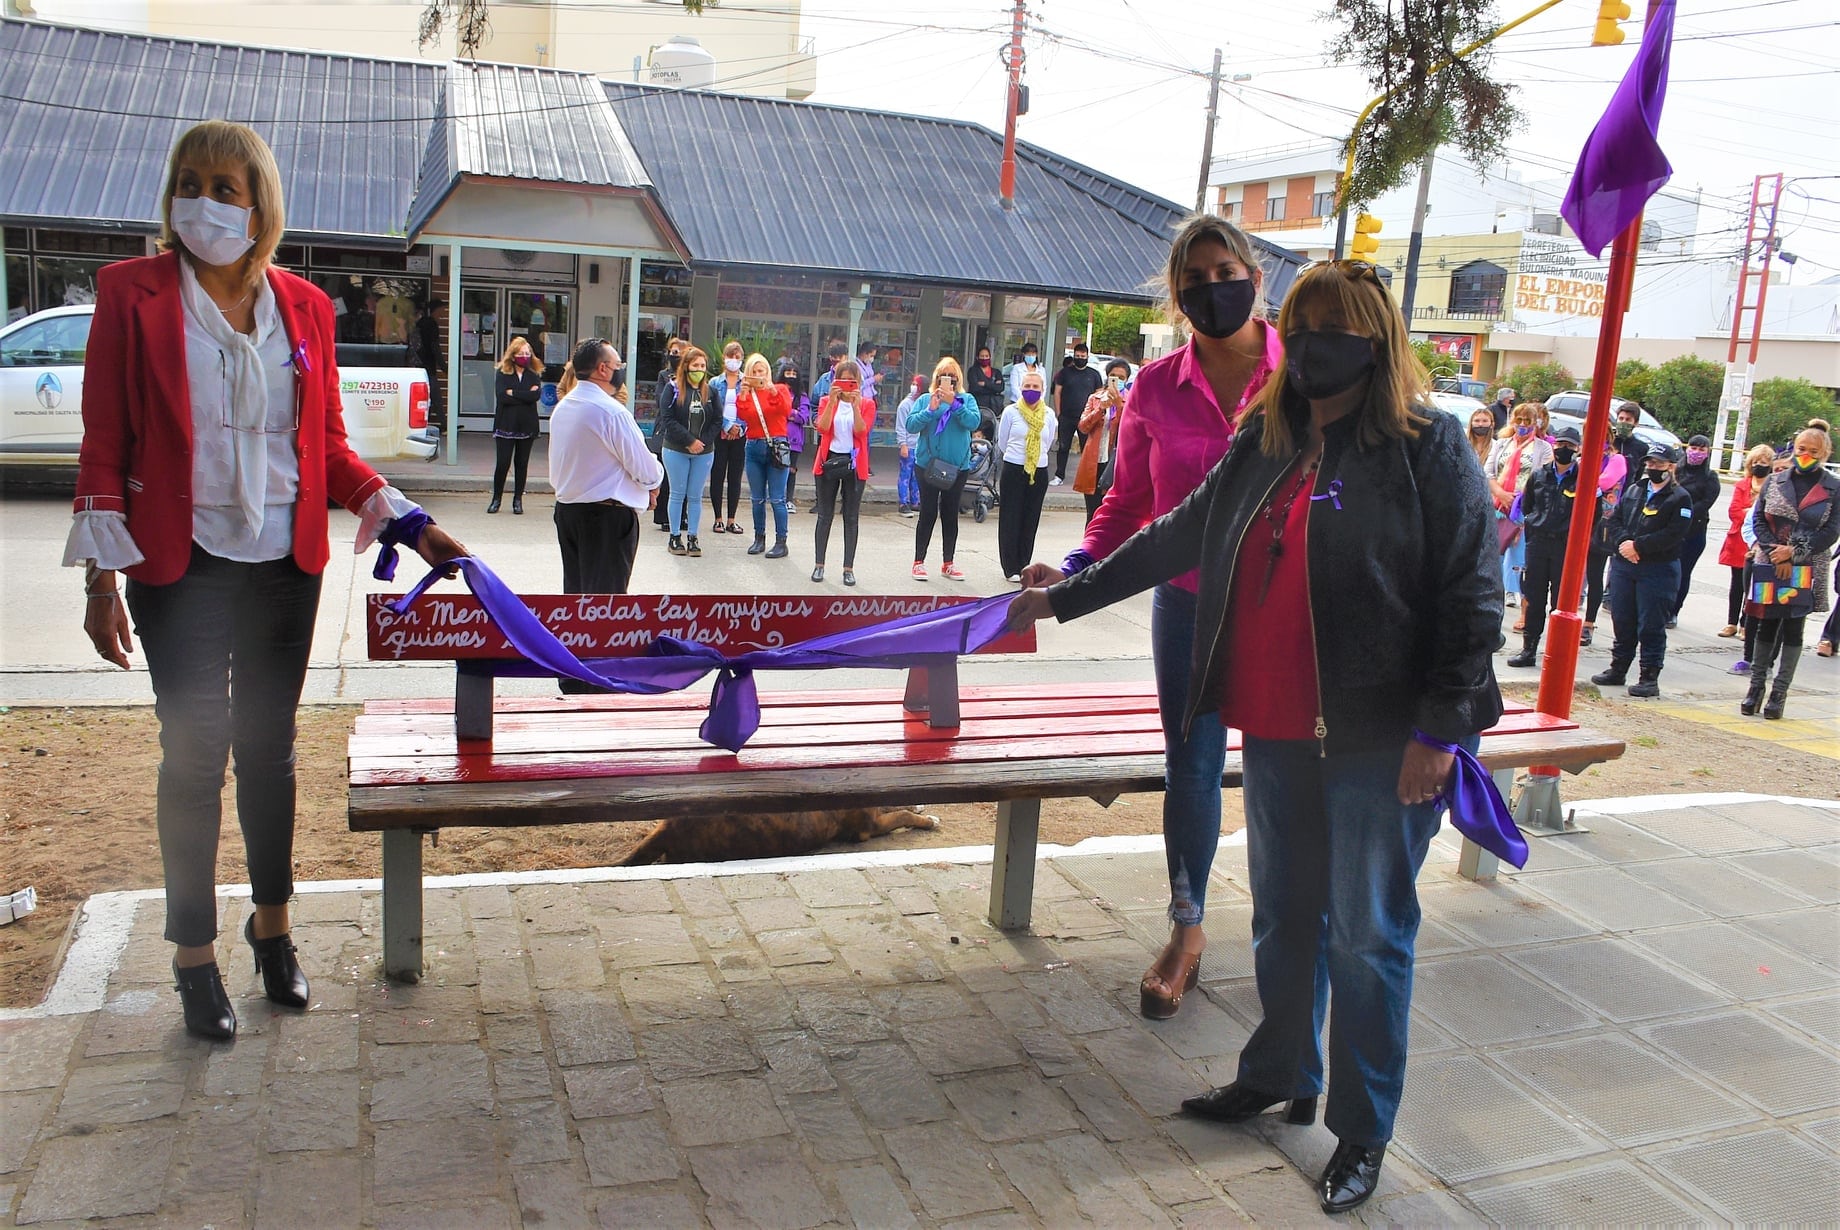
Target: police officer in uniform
[1546,509]
[1652,520]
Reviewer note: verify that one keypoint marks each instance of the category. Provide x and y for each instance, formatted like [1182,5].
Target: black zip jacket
[1702,487]
[518,394]
[1546,505]
[1656,523]
[988,393]
[1404,579]
[673,423]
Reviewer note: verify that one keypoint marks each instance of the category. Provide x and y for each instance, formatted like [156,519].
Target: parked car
[1567,410]
[1458,405]
[1463,386]
[41,393]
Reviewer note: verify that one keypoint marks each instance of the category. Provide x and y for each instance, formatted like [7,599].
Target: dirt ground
[77,817]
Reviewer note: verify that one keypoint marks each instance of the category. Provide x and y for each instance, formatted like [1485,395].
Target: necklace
[234,306]
[1277,522]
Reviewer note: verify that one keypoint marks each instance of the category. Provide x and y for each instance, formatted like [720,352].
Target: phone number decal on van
[368,386]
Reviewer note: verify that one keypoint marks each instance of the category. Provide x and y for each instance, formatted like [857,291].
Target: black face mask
[1078,361]
[1657,477]
[1218,309]
[1322,363]
[1482,429]
[1564,457]
[1760,471]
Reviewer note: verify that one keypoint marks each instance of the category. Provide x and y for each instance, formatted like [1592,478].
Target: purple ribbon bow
[671,664]
[406,531]
[1477,809]
[298,360]
[1333,494]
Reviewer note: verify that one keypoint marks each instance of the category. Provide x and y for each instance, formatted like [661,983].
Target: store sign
[1458,346]
[1557,280]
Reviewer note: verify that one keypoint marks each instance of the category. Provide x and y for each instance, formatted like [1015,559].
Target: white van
[41,394]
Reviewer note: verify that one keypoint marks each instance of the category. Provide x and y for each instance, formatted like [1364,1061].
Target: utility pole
[1738,380]
[1207,139]
[1006,187]
[1417,245]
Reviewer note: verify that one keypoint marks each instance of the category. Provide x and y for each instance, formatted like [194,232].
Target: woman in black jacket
[1350,572]
[514,422]
[985,384]
[1696,477]
[690,423]
[1796,520]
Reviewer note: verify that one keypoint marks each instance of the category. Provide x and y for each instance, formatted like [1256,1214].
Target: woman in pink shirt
[1176,425]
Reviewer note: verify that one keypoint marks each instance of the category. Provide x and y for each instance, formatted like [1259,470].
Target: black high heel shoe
[282,981]
[208,1013]
[1235,1103]
[1350,1177]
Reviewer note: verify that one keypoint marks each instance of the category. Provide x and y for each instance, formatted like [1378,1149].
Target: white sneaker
[1014,578]
[1055,481]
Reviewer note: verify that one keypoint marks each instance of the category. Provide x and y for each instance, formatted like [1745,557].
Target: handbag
[838,464]
[1507,532]
[779,451]
[940,474]
[1775,597]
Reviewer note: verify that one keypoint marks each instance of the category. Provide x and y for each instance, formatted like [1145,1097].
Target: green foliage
[1435,363]
[473,23]
[1114,328]
[1535,381]
[1684,394]
[1398,45]
[1632,380]
[1780,407]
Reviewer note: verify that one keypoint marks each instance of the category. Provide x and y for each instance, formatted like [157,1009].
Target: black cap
[1567,435]
[1662,452]
[1700,442]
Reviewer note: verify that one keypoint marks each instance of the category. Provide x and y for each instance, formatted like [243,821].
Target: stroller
[980,493]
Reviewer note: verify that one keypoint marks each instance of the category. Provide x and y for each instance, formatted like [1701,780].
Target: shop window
[377,311]
[85,243]
[1477,289]
[17,285]
[66,281]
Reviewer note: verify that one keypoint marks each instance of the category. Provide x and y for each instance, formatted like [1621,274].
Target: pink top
[1172,433]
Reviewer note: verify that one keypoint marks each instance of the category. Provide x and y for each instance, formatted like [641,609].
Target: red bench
[581,759]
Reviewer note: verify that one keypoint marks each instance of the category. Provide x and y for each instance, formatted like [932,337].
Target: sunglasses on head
[1353,270]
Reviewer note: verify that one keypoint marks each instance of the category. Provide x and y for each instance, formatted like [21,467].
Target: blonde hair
[948,366]
[1197,228]
[219,141]
[506,366]
[1535,410]
[748,363]
[1823,441]
[1761,454]
[568,381]
[1351,292]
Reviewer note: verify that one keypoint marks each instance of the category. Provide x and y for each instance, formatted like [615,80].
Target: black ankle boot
[759,544]
[208,1013]
[778,549]
[496,501]
[1613,676]
[517,504]
[1234,1103]
[1350,1177]
[1647,683]
[1529,654]
[282,980]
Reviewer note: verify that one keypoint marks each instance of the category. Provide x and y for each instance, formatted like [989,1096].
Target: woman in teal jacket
[942,423]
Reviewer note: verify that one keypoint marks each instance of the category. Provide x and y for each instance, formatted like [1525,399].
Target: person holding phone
[942,423]
[731,442]
[1099,426]
[841,466]
[765,407]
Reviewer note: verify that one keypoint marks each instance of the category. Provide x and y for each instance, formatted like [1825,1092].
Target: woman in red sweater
[763,406]
[841,463]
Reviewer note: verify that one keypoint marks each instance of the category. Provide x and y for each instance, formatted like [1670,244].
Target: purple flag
[1476,807]
[1622,164]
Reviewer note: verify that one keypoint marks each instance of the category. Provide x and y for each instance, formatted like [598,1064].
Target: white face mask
[733,365]
[213,232]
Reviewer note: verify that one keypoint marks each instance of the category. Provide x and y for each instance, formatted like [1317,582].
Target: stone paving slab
[1607,1037]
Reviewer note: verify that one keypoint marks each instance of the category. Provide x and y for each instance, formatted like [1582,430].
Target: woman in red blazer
[840,463]
[212,440]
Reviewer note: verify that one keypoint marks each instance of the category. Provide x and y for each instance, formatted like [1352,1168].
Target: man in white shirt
[603,475]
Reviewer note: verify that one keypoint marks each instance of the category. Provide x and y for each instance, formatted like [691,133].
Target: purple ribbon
[671,663]
[1477,809]
[298,360]
[405,531]
[1333,494]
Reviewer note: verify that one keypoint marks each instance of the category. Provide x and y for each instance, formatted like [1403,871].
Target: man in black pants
[603,475]
[1073,384]
[1546,510]
[1652,521]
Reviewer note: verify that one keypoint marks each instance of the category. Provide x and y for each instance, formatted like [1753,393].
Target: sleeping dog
[769,834]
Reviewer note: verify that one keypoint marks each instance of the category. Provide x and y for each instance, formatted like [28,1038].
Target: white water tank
[681,62]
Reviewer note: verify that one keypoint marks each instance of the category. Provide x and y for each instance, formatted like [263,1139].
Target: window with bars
[1478,288]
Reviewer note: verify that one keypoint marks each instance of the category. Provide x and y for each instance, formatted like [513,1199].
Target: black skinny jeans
[227,648]
[833,488]
[509,451]
[1018,515]
[931,499]
[727,466]
[1540,582]
[1595,564]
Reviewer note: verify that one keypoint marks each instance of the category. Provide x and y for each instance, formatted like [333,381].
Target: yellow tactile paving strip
[1816,734]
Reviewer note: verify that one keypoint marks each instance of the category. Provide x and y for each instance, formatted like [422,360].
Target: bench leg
[472,705]
[1012,874]
[1475,863]
[402,904]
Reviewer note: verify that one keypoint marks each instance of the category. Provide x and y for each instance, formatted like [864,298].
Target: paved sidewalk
[1645,1026]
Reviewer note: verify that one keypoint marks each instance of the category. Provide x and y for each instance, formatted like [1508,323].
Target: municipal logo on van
[50,391]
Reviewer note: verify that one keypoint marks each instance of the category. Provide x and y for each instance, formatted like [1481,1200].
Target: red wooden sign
[443,627]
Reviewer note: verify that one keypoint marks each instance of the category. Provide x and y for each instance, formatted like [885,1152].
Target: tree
[1398,43]
[1780,407]
[472,23]
[1632,380]
[1114,327]
[1684,395]
[1536,381]
[1435,363]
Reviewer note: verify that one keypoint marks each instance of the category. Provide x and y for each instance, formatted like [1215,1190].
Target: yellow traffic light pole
[1360,121]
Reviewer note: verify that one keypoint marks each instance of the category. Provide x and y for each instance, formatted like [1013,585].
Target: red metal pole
[1560,666]
[1006,184]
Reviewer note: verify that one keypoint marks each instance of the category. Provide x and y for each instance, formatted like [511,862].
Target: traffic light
[1366,243]
[1608,32]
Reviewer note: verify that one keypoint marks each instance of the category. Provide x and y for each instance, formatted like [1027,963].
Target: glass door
[543,319]
[479,350]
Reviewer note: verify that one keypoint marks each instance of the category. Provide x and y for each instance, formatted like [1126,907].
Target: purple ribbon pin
[298,360]
[1333,494]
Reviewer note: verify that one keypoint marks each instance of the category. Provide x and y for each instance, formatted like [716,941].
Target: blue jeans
[1334,858]
[1191,766]
[766,484]
[686,474]
[1641,601]
[907,485]
[1512,561]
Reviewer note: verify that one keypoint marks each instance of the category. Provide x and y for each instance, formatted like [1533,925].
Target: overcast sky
[1754,88]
